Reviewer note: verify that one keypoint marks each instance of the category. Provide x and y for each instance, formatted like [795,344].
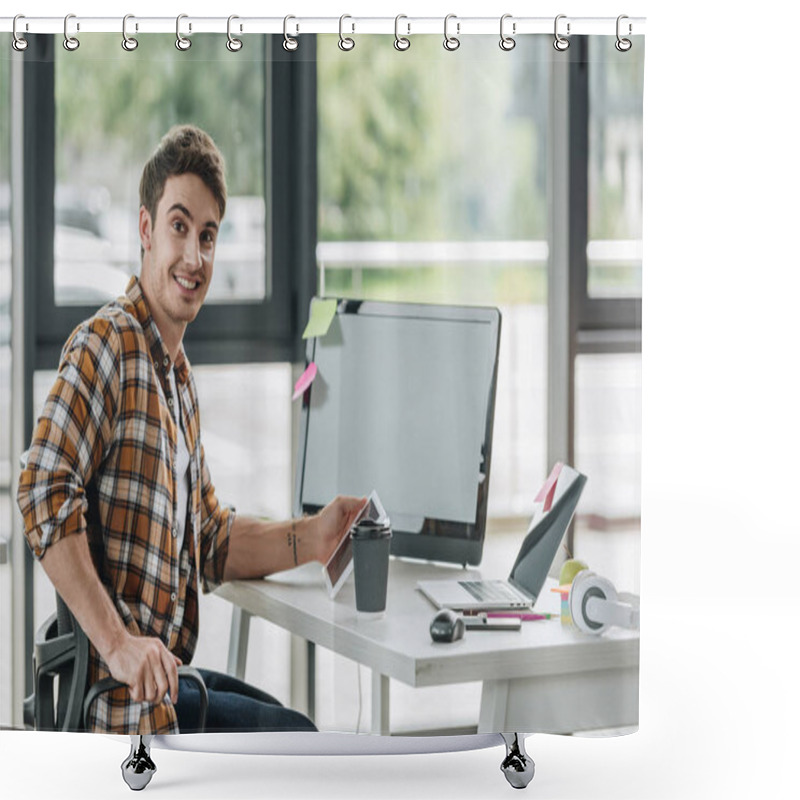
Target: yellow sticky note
[322,314]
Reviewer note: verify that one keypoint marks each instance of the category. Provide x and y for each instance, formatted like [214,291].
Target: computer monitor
[403,404]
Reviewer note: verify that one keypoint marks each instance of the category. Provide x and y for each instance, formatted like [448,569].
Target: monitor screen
[403,404]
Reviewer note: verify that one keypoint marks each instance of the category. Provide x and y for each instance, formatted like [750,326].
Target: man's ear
[145,228]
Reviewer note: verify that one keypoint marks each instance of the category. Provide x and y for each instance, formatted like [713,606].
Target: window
[112,107]
[432,175]
[608,427]
[130,99]
[614,250]
[608,384]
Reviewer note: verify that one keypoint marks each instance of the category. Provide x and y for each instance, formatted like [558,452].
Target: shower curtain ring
[289,42]
[70,42]
[233,44]
[345,42]
[18,42]
[623,45]
[400,42]
[129,43]
[560,43]
[451,43]
[507,42]
[181,42]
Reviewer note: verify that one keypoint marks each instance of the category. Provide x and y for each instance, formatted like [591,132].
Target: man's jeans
[234,705]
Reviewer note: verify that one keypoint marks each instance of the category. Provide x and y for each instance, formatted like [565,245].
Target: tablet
[339,566]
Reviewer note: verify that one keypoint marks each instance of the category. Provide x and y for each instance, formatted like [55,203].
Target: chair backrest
[61,650]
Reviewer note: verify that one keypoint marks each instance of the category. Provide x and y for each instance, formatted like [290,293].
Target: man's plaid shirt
[102,462]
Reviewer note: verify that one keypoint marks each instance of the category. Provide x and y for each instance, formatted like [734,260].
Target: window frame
[604,324]
[578,324]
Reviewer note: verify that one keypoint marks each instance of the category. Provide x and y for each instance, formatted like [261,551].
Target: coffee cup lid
[369,529]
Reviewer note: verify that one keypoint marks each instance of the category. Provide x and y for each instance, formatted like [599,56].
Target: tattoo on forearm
[291,540]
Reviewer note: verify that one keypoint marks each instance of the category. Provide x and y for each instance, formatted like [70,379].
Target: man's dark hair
[183,149]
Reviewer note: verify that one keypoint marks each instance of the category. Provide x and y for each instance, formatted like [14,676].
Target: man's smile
[186,283]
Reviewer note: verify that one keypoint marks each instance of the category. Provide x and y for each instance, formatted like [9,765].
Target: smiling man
[117,498]
[178,259]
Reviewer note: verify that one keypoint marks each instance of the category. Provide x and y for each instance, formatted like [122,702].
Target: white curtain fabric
[435,185]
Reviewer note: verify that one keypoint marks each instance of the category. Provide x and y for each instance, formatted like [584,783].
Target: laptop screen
[403,404]
[541,544]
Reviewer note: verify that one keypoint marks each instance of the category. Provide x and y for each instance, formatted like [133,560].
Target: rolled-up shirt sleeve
[70,437]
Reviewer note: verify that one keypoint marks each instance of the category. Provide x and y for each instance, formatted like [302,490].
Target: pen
[525,617]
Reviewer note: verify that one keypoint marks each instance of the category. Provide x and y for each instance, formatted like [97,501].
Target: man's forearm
[68,564]
[259,548]
[141,662]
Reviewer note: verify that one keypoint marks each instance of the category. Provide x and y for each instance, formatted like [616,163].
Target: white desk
[545,678]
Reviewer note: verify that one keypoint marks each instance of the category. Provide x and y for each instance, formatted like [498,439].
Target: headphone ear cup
[586,586]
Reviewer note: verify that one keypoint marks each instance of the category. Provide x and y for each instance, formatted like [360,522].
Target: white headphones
[594,604]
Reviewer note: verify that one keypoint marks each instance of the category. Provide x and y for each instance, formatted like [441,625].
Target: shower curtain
[500,171]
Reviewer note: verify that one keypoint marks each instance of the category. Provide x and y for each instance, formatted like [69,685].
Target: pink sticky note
[305,380]
[548,490]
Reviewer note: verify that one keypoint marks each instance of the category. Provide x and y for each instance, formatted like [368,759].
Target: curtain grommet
[560,43]
[18,41]
[346,43]
[451,43]
[622,44]
[290,43]
[233,44]
[507,43]
[71,43]
[401,43]
[181,42]
[129,43]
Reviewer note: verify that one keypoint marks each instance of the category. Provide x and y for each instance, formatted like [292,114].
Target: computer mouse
[447,626]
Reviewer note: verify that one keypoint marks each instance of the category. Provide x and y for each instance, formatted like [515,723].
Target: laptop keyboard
[491,591]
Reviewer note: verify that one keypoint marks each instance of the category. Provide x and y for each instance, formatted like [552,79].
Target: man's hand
[145,664]
[141,662]
[333,523]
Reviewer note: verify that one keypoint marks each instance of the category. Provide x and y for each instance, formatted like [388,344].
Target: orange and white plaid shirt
[102,463]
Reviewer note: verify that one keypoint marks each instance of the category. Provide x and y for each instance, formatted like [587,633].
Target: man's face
[179,252]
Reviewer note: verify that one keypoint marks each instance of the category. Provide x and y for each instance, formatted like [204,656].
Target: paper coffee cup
[371,544]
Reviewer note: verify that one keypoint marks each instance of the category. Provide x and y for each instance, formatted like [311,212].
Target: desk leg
[303,671]
[494,702]
[237,647]
[380,703]
[311,680]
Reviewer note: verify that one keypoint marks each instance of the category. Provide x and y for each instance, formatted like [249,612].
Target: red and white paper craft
[305,380]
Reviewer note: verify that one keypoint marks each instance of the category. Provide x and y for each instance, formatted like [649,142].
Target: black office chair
[61,652]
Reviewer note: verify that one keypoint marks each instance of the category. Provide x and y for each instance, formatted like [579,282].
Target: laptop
[554,506]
